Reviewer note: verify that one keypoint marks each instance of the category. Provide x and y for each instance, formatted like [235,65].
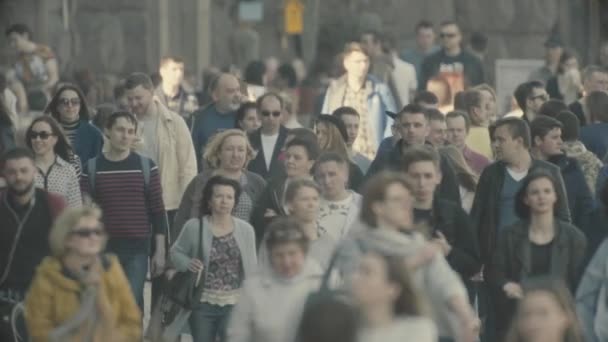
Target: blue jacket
[595,138]
[206,122]
[379,100]
[580,200]
[88,141]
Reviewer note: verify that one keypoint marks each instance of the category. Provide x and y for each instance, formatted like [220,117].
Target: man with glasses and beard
[270,138]
[459,67]
[26,216]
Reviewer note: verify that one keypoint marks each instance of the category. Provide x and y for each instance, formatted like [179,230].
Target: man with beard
[217,116]
[27,214]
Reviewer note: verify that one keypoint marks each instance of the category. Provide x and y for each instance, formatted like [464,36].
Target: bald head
[226,93]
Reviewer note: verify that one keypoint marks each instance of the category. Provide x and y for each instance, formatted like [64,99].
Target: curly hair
[214,147]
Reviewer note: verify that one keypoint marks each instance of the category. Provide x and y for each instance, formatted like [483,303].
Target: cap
[336,122]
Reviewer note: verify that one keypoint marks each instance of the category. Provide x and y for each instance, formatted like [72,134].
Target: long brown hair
[62,148]
[335,142]
[559,291]
[408,302]
[53,107]
[466,177]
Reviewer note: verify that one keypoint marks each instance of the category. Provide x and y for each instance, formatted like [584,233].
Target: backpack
[145,168]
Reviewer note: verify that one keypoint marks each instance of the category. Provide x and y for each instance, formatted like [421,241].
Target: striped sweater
[120,193]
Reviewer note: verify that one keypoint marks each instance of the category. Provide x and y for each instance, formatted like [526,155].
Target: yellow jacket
[54,298]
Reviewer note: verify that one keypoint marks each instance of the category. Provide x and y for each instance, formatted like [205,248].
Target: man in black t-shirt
[449,226]
[452,63]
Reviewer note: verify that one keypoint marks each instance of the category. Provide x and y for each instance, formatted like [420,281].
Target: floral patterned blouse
[225,272]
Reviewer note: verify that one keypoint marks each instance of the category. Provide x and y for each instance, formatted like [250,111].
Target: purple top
[476,161]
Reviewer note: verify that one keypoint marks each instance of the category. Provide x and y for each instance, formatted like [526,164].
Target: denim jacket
[592,297]
[379,100]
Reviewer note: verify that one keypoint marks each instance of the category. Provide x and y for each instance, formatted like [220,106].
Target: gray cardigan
[186,245]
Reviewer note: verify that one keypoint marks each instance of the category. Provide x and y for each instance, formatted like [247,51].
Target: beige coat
[176,158]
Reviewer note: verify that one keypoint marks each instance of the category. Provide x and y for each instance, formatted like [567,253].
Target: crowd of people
[394,202]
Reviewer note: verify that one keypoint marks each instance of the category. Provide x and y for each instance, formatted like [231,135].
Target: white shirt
[268,143]
[332,217]
[404,78]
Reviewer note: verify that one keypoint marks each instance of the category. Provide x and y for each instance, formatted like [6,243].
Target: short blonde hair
[212,150]
[64,225]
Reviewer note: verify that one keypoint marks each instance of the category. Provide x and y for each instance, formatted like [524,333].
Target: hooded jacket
[54,298]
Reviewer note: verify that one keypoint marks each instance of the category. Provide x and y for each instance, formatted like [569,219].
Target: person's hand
[470,330]
[443,243]
[157,265]
[513,290]
[195,265]
[270,213]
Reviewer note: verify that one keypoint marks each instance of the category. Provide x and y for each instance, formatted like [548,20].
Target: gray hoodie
[270,306]
[435,279]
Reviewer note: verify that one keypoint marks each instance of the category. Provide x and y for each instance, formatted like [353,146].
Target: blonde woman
[79,293]
[467,180]
[332,137]
[227,154]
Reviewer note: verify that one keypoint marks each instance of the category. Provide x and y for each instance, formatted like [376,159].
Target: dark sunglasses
[43,135]
[73,101]
[544,97]
[276,114]
[87,232]
[447,35]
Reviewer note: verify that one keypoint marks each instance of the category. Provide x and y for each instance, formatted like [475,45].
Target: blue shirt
[507,214]
[207,122]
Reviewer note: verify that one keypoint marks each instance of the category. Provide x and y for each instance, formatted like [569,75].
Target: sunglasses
[544,97]
[87,232]
[447,35]
[43,135]
[276,114]
[73,101]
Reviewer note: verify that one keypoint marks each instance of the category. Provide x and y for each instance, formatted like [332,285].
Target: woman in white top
[53,154]
[272,301]
[391,308]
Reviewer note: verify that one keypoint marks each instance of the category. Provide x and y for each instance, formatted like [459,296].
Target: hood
[50,271]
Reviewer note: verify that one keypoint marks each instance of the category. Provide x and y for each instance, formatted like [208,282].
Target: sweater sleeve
[240,327]
[184,210]
[184,246]
[588,292]
[156,206]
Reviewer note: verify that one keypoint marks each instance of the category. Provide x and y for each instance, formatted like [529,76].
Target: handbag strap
[199,252]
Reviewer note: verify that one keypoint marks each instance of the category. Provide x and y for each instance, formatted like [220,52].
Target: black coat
[454,223]
[486,205]
[512,261]
[580,200]
[258,165]
[393,160]
[271,198]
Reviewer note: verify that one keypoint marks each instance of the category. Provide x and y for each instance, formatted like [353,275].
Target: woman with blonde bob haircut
[79,293]
[226,154]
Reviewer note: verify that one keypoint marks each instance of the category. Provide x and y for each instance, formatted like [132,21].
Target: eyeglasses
[74,101]
[43,135]
[447,35]
[276,114]
[87,232]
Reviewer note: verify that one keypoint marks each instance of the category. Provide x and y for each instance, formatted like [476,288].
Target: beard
[20,192]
